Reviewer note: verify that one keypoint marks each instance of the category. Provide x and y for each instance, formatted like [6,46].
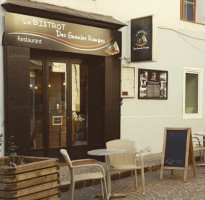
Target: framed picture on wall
[152,84]
[128,82]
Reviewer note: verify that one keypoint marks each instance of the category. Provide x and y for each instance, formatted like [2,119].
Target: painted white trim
[198,71]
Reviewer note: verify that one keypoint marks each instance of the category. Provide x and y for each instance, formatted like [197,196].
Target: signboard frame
[42,33]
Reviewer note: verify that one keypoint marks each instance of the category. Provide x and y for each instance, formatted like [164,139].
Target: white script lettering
[59,34]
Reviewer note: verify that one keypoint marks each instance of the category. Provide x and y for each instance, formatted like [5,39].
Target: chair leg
[143,181]
[105,185]
[135,178]
[200,155]
[101,183]
[72,188]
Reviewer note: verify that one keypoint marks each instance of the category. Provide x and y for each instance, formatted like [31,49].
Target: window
[193,89]
[188,10]
[36,102]
[79,104]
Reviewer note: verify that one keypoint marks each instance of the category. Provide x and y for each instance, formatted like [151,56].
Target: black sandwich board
[177,151]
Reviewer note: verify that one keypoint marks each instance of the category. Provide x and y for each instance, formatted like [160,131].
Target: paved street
[171,188]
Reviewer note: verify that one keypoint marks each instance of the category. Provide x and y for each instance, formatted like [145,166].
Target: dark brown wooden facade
[103,98]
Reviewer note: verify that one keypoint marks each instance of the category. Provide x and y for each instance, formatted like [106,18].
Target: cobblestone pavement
[171,187]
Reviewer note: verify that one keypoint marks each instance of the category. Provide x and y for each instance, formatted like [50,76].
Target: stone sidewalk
[171,187]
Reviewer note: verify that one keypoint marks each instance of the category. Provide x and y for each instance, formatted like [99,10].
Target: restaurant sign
[41,33]
[141,39]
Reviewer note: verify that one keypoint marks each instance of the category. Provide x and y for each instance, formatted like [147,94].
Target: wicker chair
[126,161]
[84,169]
[198,146]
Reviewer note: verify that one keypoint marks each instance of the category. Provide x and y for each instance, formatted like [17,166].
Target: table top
[105,152]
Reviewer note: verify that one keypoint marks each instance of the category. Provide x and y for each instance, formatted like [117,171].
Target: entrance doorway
[59,100]
[58,105]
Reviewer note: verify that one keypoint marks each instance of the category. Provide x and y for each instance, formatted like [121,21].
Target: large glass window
[79,104]
[193,93]
[36,99]
[191,102]
[48,88]
[188,10]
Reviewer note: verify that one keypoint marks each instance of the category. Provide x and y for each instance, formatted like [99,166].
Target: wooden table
[106,153]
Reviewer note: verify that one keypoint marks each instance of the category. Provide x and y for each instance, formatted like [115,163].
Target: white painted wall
[200,14]
[144,120]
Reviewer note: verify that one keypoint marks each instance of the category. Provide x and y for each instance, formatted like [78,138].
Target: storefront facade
[176,44]
[61,79]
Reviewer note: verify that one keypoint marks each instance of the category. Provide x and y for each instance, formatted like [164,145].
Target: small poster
[57,120]
[141,39]
[152,84]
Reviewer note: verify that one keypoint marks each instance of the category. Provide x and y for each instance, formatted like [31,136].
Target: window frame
[183,11]
[199,72]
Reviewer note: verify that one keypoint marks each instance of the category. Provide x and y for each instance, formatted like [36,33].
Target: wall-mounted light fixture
[126,59]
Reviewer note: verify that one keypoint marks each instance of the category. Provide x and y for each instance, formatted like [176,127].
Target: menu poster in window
[57,120]
[141,39]
[128,82]
[152,84]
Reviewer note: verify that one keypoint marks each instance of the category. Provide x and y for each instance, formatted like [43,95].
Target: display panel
[152,84]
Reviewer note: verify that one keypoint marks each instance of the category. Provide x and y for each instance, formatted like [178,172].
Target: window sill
[192,116]
[193,22]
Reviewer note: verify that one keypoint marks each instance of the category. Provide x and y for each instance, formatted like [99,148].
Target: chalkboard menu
[177,151]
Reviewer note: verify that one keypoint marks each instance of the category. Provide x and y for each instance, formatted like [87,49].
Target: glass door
[48,104]
[57,104]
[79,104]
[36,104]
[59,107]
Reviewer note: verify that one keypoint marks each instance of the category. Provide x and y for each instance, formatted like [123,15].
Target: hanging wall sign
[141,39]
[41,33]
[152,84]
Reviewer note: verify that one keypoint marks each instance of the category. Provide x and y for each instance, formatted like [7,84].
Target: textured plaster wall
[144,120]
